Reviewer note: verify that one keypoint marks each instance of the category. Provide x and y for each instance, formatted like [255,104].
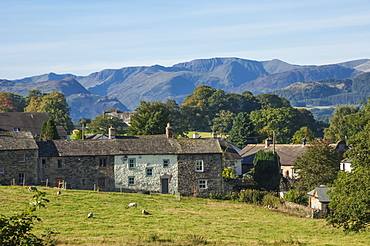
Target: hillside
[130,85]
[328,92]
[83,104]
[172,221]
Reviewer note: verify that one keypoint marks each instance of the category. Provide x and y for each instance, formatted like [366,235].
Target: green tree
[267,170]
[272,101]
[83,122]
[10,102]
[101,124]
[242,131]
[224,120]
[196,109]
[283,121]
[15,230]
[303,132]
[152,118]
[351,191]
[318,166]
[339,128]
[49,131]
[54,104]
[229,173]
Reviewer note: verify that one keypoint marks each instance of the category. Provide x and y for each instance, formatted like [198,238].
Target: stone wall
[12,167]
[82,172]
[188,177]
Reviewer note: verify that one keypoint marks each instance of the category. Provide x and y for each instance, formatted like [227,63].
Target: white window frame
[103,162]
[199,166]
[133,164]
[149,172]
[2,169]
[202,184]
[166,163]
[131,180]
[21,178]
[21,157]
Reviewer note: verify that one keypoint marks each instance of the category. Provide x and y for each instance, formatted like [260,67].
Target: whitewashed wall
[142,181]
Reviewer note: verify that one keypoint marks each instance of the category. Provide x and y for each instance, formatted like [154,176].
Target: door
[164,183]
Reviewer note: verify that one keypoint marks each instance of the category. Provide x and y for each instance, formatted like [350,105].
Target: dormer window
[16,129]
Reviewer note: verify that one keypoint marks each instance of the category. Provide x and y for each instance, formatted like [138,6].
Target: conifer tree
[241,131]
[49,131]
[267,170]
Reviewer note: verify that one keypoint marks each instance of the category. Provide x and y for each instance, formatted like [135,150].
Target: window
[199,166]
[101,182]
[16,129]
[166,162]
[202,184]
[131,180]
[131,163]
[43,161]
[1,169]
[149,171]
[83,182]
[102,162]
[21,178]
[21,157]
[60,163]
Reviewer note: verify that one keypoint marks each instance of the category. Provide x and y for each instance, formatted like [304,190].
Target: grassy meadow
[172,221]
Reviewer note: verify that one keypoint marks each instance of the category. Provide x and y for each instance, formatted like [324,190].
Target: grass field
[172,221]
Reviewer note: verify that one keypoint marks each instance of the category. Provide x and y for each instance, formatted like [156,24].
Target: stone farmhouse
[147,163]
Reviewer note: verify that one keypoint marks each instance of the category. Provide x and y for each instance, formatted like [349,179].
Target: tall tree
[303,133]
[272,101]
[351,191]
[318,166]
[242,131]
[49,131]
[267,170]
[339,128]
[10,102]
[283,121]
[152,118]
[101,124]
[54,104]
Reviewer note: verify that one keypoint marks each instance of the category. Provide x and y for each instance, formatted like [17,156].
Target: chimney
[268,142]
[169,131]
[112,133]
[304,140]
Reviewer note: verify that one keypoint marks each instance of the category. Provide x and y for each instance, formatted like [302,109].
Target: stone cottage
[18,158]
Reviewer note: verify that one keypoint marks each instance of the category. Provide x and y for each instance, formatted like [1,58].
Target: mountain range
[88,96]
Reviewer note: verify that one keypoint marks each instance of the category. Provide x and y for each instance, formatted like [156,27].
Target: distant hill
[130,85]
[83,104]
[328,92]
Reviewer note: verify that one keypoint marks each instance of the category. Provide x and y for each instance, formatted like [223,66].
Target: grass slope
[188,221]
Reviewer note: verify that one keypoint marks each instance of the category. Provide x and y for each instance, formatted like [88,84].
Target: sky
[81,37]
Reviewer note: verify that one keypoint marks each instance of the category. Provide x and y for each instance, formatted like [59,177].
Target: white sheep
[144,212]
[90,215]
[31,188]
[132,204]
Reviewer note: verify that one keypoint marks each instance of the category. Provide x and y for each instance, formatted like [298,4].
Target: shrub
[296,196]
[250,196]
[271,201]
[16,230]
[216,195]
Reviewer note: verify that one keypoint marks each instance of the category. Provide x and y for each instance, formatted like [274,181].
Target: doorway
[164,183]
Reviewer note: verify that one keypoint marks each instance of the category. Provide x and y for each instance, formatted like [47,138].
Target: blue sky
[81,37]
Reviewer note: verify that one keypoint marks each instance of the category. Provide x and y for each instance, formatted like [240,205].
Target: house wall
[82,172]
[142,182]
[189,178]
[12,167]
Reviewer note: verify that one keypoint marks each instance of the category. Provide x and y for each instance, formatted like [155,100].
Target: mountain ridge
[130,85]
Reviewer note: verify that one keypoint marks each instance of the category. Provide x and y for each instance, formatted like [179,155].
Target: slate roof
[17,141]
[287,152]
[153,145]
[31,122]
[229,150]
[320,193]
